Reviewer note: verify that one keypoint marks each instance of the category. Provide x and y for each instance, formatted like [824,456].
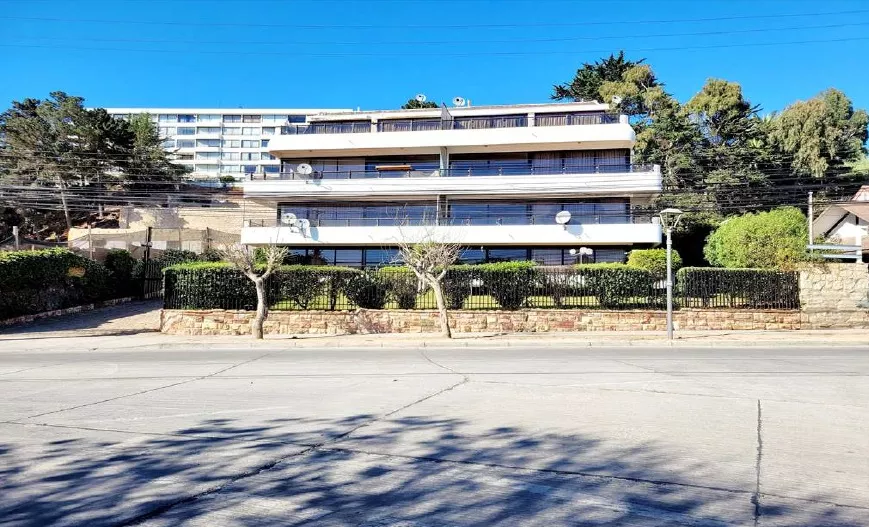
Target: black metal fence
[467,287]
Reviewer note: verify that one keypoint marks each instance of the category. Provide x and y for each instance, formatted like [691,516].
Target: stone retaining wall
[23,319]
[220,322]
[834,296]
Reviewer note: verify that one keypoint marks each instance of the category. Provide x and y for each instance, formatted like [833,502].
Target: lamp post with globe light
[669,219]
[583,251]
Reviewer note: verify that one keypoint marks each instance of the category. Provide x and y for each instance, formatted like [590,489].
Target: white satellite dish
[420,97]
[616,99]
[458,101]
[562,217]
[288,218]
[304,169]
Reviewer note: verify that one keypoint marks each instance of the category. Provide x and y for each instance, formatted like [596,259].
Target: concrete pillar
[444,162]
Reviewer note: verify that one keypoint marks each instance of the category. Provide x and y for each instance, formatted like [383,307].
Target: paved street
[410,437]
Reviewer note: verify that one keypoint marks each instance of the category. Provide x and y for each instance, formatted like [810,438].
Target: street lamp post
[669,219]
[583,251]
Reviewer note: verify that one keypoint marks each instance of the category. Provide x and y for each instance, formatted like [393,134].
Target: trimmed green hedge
[37,281]
[654,261]
[617,285]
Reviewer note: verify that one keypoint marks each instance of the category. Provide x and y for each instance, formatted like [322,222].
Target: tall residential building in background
[543,182]
[217,142]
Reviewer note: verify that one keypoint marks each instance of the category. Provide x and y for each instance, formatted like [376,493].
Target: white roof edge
[499,109]
[229,110]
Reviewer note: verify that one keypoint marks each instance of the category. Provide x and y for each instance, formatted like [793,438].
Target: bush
[654,261]
[37,281]
[768,240]
[458,285]
[402,285]
[509,283]
[617,285]
[367,290]
[176,256]
[301,284]
[207,285]
[757,288]
[121,265]
[211,255]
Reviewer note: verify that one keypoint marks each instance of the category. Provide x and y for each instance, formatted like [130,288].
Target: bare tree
[243,258]
[429,251]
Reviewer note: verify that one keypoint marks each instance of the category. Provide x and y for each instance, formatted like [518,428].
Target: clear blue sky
[378,53]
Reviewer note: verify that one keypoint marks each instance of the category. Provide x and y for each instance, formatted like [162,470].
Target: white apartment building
[519,182]
[217,142]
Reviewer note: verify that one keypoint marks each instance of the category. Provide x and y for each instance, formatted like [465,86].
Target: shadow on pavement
[223,473]
[123,319]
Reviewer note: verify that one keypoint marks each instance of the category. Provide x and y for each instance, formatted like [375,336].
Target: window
[250,144]
[209,143]
[250,131]
[167,118]
[231,118]
[296,119]
[207,155]
[250,156]
[506,255]
[185,157]
[231,169]
[380,257]
[548,256]
[249,169]
[186,130]
[232,131]
[472,256]
[251,118]
[164,132]
[265,143]
[208,118]
[348,257]
[267,157]
[271,169]
[231,143]
[208,130]
[230,156]
[169,143]
[187,118]
[186,143]
[609,256]
[206,168]
[268,130]
[123,116]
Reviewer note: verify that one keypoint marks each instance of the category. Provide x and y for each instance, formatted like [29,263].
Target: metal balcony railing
[506,170]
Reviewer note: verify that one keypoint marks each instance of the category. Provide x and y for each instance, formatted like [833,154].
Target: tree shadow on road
[123,319]
[416,471]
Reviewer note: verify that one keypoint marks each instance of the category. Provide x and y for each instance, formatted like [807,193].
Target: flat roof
[497,109]
[229,110]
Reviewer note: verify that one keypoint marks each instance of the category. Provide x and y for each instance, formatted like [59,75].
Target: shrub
[211,255]
[766,240]
[176,256]
[562,283]
[36,281]
[757,288]
[654,261]
[121,264]
[458,285]
[509,283]
[402,285]
[617,285]
[207,285]
[299,283]
[367,290]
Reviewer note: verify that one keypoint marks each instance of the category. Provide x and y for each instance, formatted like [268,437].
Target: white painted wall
[589,234]
[558,185]
[528,138]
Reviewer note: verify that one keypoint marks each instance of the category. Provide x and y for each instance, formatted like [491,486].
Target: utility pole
[811,219]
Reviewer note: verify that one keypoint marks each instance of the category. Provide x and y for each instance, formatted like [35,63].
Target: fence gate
[152,280]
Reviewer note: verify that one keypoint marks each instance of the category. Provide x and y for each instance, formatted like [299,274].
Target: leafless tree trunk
[243,258]
[428,250]
[64,203]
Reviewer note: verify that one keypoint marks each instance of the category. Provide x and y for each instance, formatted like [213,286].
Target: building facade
[215,142]
[522,182]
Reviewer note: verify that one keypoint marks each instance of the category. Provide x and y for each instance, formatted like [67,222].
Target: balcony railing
[639,217]
[457,123]
[513,170]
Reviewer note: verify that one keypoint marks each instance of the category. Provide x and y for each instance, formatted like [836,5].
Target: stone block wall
[220,322]
[834,296]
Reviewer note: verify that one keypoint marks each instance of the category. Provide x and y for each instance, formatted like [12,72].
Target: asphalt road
[382,437]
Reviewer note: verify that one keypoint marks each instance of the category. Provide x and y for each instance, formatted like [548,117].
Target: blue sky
[378,53]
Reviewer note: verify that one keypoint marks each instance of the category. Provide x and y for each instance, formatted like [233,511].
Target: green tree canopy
[775,239]
[413,104]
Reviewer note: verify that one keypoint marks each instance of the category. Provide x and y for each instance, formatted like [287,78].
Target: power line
[440,42]
[440,53]
[523,24]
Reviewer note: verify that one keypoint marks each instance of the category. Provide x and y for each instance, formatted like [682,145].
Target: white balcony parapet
[471,235]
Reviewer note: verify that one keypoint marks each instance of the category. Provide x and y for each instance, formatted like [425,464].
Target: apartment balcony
[460,135]
[647,232]
[601,180]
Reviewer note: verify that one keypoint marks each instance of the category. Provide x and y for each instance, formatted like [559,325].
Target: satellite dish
[562,217]
[420,97]
[288,218]
[458,101]
[304,169]
[616,99]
